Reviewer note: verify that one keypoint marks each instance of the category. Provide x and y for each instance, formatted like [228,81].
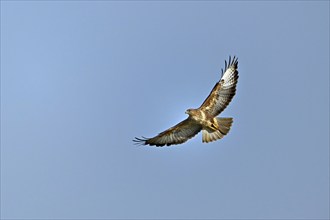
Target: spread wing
[178,134]
[223,91]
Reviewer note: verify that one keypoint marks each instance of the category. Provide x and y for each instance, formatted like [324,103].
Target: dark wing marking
[223,91]
[177,134]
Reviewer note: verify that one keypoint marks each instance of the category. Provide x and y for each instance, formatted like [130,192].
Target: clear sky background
[81,79]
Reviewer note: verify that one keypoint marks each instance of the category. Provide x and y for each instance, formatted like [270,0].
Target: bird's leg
[214,127]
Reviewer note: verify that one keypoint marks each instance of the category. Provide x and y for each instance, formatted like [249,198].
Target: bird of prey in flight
[203,118]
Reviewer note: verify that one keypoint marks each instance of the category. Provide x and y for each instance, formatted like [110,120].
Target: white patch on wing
[228,76]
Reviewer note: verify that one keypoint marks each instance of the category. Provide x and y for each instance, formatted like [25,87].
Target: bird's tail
[224,127]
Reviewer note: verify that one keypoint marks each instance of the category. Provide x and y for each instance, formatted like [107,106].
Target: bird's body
[203,118]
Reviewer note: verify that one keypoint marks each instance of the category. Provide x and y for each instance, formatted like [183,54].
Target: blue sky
[81,79]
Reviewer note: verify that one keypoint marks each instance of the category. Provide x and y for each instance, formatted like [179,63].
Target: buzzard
[203,118]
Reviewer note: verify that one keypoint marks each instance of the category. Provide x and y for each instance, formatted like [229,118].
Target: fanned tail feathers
[224,127]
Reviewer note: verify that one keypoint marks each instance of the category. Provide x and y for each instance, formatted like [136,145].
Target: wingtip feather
[140,141]
[232,61]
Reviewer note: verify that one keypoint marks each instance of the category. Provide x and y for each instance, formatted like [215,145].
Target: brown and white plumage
[177,134]
[204,118]
[223,91]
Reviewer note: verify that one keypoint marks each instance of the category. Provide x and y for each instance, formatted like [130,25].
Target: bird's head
[189,111]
